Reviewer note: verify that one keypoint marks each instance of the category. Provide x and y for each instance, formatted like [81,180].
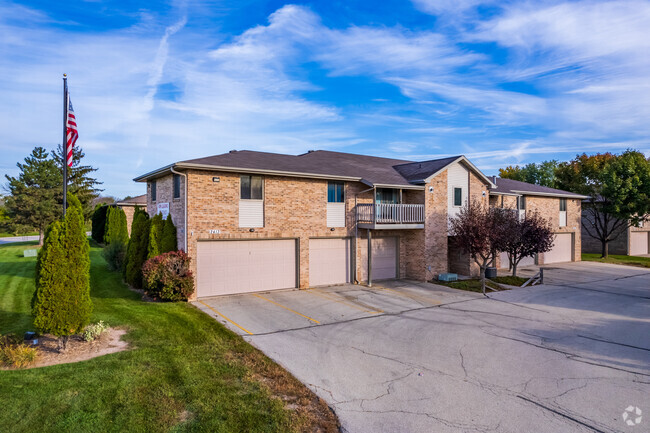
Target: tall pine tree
[36,193]
[80,180]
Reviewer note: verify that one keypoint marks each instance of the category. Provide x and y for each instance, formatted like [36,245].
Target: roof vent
[310,151]
[494,180]
[233,151]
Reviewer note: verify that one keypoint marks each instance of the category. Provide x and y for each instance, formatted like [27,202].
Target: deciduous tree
[524,237]
[479,229]
[538,174]
[618,187]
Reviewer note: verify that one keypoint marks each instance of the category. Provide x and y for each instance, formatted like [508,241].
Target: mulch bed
[77,349]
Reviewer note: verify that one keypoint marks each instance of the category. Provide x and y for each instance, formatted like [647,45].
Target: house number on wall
[214,232]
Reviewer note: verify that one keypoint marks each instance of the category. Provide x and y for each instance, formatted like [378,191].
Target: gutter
[550,194]
[181,165]
[185,207]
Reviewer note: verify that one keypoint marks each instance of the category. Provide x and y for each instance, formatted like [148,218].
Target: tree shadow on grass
[12,322]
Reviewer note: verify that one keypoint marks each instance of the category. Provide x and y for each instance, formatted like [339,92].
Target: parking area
[571,355]
[283,310]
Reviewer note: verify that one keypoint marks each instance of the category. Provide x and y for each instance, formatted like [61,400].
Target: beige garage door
[229,267]
[329,261]
[505,263]
[638,243]
[562,249]
[384,258]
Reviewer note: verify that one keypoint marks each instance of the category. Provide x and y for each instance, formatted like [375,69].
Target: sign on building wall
[163,209]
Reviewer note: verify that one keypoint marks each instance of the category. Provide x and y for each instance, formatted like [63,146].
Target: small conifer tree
[61,304]
[169,241]
[99,223]
[116,230]
[155,236]
[137,250]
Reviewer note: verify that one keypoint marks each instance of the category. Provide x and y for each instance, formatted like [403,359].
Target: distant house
[253,221]
[128,206]
[631,240]
[562,208]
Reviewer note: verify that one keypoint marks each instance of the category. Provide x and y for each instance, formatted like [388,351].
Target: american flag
[71,131]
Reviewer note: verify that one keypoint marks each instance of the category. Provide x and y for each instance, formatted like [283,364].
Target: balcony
[390,216]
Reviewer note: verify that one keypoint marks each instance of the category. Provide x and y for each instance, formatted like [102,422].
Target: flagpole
[64,145]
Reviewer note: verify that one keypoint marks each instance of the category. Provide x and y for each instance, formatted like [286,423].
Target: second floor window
[153,190]
[251,187]
[521,203]
[177,186]
[458,196]
[335,192]
[562,205]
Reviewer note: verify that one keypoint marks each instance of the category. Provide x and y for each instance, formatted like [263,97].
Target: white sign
[214,231]
[163,209]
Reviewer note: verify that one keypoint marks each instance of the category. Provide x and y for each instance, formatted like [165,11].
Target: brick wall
[620,245]
[458,261]
[128,211]
[296,208]
[549,208]
[164,194]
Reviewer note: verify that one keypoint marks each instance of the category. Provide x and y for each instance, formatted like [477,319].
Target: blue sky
[152,83]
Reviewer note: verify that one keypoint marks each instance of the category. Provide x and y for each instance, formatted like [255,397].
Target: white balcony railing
[385,213]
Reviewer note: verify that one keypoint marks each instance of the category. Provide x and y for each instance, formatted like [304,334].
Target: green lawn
[474,285]
[510,280]
[8,235]
[186,372]
[616,259]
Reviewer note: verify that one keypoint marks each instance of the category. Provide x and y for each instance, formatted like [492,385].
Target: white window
[335,204]
[251,201]
[562,212]
[458,196]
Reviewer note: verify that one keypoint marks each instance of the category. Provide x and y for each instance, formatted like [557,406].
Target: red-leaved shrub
[168,276]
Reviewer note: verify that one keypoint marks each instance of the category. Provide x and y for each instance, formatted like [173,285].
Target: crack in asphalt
[571,356]
[613,342]
[567,416]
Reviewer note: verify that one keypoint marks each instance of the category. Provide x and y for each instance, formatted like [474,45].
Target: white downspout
[185,219]
[356,232]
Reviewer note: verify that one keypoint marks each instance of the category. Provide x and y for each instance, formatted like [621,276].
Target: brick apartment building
[254,221]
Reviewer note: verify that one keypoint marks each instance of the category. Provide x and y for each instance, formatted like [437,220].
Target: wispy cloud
[502,82]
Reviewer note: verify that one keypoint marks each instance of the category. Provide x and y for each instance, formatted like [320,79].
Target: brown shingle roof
[373,169]
[509,186]
[137,200]
[320,163]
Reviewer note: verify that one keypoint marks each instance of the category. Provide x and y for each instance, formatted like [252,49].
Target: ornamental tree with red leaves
[479,231]
[525,237]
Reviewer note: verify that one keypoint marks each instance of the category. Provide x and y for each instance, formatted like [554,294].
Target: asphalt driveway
[571,355]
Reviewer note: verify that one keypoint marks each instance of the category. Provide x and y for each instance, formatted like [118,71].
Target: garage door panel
[228,267]
[505,263]
[384,258]
[638,243]
[329,261]
[562,249]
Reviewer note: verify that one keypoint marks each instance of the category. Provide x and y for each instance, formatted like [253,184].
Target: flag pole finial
[65,75]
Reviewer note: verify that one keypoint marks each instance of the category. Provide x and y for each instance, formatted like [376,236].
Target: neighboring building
[128,206]
[562,208]
[253,221]
[632,241]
